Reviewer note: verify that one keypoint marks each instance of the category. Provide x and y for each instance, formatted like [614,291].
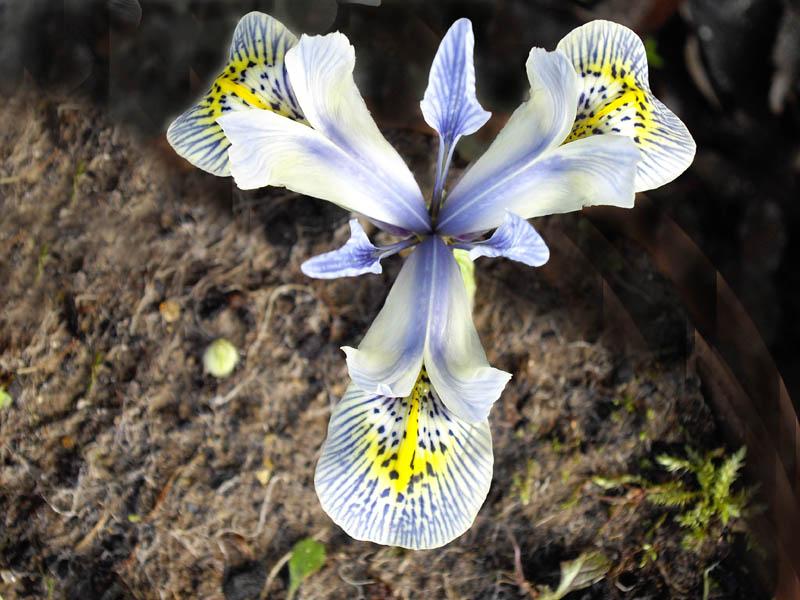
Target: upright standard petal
[321,71]
[356,257]
[615,97]
[254,77]
[267,149]
[403,471]
[427,318]
[537,126]
[515,239]
[450,105]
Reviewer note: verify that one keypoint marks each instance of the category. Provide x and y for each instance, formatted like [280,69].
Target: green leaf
[467,273]
[308,556]
[586,570]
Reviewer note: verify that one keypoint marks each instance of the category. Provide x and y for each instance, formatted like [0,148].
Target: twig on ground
[519,575]
[274,573]
[273,297]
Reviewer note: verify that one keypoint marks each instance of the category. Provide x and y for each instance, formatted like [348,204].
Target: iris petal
[403,471]
[356,257]
[427,317]
[321,71]
[450,105]
[587,172]
[515,239]
[536,127]
[454,356]
[342,158]
[254,77]
[389,357]
[267,149]
[615,97]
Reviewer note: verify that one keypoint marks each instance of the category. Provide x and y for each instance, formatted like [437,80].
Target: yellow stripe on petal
[403,471]
[615,98]
[399,467]
[254,77]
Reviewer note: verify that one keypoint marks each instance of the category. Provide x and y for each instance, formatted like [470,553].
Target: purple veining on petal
[450,105]
[454,357]
[515,239]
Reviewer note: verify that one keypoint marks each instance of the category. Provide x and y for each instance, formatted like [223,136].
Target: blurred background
[128,472]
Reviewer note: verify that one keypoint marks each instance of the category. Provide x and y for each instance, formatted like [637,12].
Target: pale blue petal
[515,239]
[267,149]
[403,471]
[321,71]
[535,128]
[389,358]
[450,105]
[427,318]
[590,171]
[356,257]
[454,357]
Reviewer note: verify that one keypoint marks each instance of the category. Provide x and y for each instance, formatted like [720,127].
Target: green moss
[522,484]
[702,492]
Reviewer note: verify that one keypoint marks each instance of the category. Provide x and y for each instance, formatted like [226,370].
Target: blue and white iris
[342,157]
[421,361]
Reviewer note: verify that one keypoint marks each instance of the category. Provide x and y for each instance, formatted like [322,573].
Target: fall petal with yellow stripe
[615,98]
[403,471]
[254,77]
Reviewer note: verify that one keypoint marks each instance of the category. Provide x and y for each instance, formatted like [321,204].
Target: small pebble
[170,311]
[220,358]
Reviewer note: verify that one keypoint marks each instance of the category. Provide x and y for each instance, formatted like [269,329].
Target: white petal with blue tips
[515,239]
[403,471]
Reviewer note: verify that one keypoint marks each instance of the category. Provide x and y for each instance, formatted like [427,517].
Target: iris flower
[408,458]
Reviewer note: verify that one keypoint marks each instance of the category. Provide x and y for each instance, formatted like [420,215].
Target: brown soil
[128,473]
